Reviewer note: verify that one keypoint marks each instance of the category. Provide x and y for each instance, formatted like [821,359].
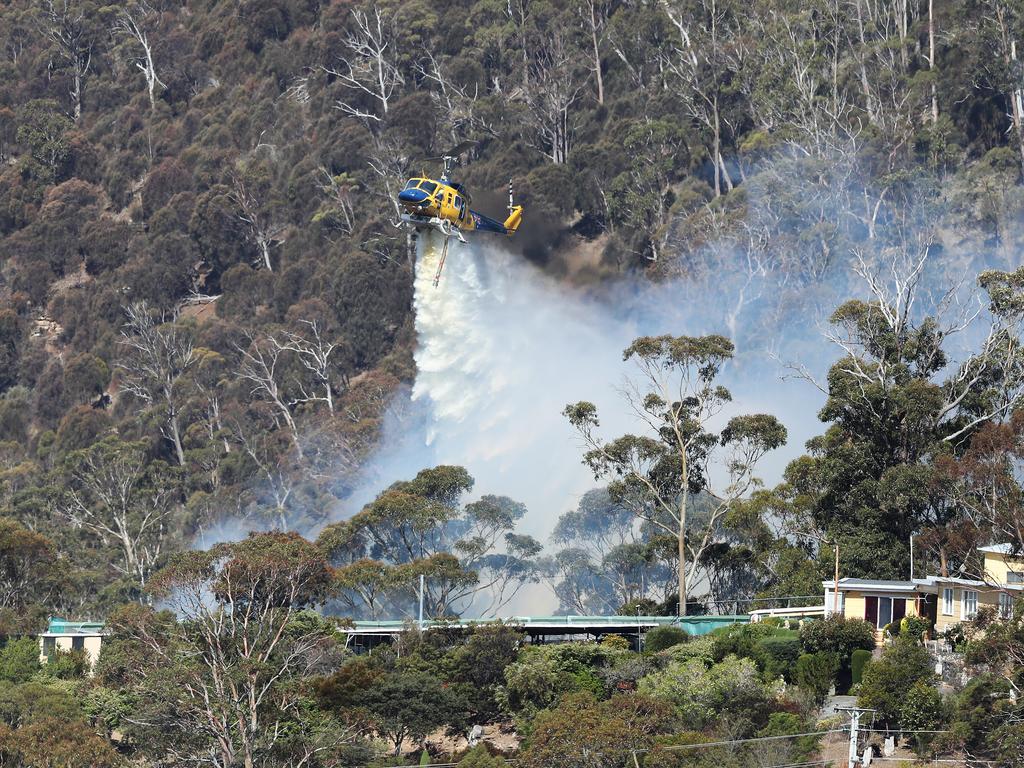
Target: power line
[698,746]
[748,741]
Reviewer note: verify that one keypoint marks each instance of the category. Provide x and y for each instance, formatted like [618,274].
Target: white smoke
[502,349]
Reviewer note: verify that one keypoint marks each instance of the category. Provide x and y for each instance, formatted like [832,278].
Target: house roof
[873,585]
[933,580]
[998,549]
[59,626]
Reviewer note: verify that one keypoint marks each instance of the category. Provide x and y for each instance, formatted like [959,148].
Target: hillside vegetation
[207,304]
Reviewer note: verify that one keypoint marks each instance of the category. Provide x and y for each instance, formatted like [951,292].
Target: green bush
[777,656]
[480,757]
[803,748]
[858,659]
[660,638]
[886,682]
[66,665]
[19,660]
[922,709]
[837,635]
[740,639]
[615,642]
[815,673]
[915,626]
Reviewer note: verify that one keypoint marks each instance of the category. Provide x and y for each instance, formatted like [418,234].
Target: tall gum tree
[656,475]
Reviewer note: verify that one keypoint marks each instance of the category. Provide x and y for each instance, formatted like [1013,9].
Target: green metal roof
[59,626]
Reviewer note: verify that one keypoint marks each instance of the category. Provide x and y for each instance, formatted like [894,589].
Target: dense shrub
[922,710]
[858,659]
[837,635]
[660,638]
[19,659]
[886,681]
[840,636]
[701,695]
[740,639]
[777,656]
[480,757]
[815,673]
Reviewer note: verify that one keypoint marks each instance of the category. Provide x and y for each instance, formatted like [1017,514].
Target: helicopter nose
[412,196]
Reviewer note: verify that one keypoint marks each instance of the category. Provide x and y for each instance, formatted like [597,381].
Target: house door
[871,610]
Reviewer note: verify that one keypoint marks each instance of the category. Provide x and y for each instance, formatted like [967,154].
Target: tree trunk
[931,60]
[1018,105]
[76,93]
[265,251]
[715,151]
[682,562]
[597,54]
[172,422]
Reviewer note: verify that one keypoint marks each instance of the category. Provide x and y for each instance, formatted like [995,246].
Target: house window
[1005,605]
[970,604]
[947,601]
[49,646]
[77,643]
[884,611]
[1012,577]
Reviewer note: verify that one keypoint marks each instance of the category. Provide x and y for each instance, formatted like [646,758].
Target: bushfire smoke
[502,349]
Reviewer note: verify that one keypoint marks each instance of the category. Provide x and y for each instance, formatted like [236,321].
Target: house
[877,601]
[63,635]
[1001,586]
[943,600]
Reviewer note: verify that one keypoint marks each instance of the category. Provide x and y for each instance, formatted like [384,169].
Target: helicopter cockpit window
[428,187]
[411,184]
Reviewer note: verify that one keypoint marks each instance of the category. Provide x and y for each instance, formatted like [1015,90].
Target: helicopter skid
[420,223]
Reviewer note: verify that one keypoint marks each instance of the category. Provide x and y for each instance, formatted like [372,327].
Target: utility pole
[854,760]
[835,583]
[854,722]
[911,557]
[422,578]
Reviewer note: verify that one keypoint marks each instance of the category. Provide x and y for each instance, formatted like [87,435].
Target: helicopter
[443,205]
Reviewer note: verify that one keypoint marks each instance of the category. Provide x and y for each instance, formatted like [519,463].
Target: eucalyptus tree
[656,475]
[217,679]
[469,555]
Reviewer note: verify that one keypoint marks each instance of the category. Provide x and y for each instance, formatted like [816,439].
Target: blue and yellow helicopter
[443,205]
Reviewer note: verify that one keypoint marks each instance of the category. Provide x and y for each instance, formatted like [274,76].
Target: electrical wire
[750,740]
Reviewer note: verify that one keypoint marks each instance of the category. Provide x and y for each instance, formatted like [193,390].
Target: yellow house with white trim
[879,602]
[944,600]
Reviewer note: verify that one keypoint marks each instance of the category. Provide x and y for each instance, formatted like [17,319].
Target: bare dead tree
[456,103]
[894,277]
[706,50]
[261,363]
[68,25]
[110,494]
[278,475]
[314,352]
[264,231]
[338,192]
[369,66]
[594,15]
[158,357]
[555,87]
[814,110]
[132,22]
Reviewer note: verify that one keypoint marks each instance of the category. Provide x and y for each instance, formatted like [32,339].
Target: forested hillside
[207,324]
[207,304]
